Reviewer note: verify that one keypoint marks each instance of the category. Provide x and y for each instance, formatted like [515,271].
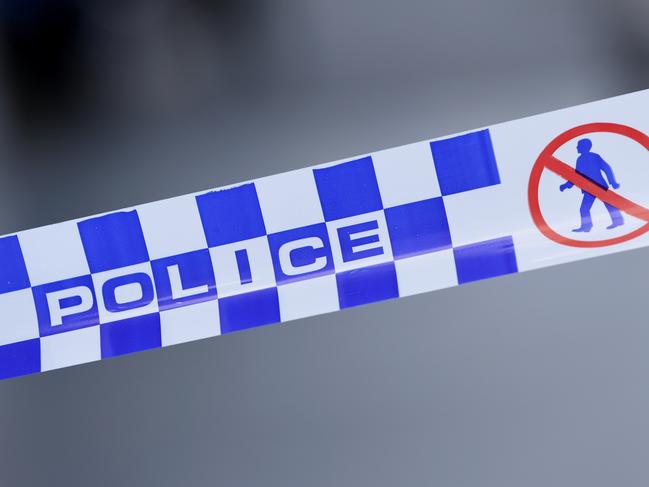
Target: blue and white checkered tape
[393,223]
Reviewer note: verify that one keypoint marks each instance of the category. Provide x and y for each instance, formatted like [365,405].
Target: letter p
[65,305]
[68,302]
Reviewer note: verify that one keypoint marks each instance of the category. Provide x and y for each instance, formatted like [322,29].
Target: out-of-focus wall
[89,90]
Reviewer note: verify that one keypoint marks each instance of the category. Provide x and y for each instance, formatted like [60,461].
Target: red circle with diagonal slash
[546,160]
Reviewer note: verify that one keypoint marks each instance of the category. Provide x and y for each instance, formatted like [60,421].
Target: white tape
[516,196]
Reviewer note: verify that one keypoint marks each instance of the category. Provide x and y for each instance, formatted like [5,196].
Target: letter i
[243,263]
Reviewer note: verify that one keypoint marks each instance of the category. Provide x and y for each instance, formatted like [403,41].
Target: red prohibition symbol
[546,160]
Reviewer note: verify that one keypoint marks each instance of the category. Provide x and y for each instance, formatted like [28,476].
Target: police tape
[516,196]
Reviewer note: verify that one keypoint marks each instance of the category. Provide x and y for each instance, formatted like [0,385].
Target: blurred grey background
[535,379]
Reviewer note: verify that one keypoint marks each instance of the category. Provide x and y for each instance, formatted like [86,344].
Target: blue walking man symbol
[591,166]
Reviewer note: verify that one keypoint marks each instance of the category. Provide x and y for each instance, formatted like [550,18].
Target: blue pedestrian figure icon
[591,166]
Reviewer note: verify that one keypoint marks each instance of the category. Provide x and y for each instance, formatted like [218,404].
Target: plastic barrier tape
[535,192]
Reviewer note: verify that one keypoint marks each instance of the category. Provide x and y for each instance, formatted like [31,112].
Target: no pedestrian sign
[596,181]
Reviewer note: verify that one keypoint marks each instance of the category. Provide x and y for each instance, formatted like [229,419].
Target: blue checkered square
[348,189]
[130,335]
[486,259]
[13,273]
[249,310]
[465,162]
[20,358]
[113,241]
[184,279]
[302,253]
[79,288]
[418,228]
[367,285]
[231,215]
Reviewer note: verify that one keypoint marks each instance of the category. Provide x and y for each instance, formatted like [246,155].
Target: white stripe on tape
[516,196]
